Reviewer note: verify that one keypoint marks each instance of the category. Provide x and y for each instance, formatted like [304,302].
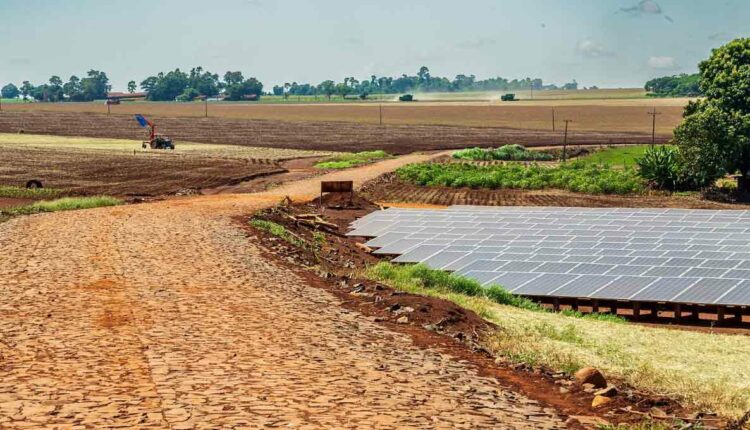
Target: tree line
[682,85]
[92,87]
[200,83]
[423,81]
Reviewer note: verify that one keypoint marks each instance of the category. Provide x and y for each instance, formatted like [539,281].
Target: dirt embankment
[335,264]
[328,136]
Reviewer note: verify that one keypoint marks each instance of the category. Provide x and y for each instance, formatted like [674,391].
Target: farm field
[86,166]
[388,189]
[600,115]
[311,135]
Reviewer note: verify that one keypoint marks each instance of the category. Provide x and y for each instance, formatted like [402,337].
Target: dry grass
[18,141]
[604,114]
[706,370]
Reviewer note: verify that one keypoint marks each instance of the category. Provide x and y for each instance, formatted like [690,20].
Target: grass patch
[422,277]
[618,156]
[64,204]
[577,176]
[28,193]
[279,231]
[505,152]
[709,371]
[347,160]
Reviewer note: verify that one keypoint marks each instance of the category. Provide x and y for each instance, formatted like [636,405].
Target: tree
[714,137]
[328,88]
[55,90]
[131,87]
[26,89]
[72,89]
[239,91]
[95,86]
[675,86]
[233,78]
[10,91]
[165,87]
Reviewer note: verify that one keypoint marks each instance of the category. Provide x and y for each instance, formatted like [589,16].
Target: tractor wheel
[34,184]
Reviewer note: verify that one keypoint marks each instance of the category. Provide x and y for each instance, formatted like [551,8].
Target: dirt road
[164,315]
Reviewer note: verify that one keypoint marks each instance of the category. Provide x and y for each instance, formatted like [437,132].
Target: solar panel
[674,255]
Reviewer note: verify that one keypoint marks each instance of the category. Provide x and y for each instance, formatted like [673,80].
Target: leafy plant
[577,176]
[64,204]
[506,152]
[347,160]
[660,166]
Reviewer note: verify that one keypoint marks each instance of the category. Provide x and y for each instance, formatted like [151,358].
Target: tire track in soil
[163,315]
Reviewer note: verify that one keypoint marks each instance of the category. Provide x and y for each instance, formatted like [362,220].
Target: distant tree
[95,85]
[343,89]
[233,78]
[72,89]
[131,87]
[10,91]
[239,91]
[165,87]
[286,90]
[55,91]
[328,88]
[714,137]
[188,95]
[423,74]
[571,85]
[26,89]
[683,85]
[206,83]
[278,90]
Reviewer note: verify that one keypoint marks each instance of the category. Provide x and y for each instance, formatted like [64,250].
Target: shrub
[660,166]
[344,161]
[577,177]
[65,204]
[506,152]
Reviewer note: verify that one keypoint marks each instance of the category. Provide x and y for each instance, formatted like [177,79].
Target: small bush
[577,177]
[344,161]
[506,152]
[660,166]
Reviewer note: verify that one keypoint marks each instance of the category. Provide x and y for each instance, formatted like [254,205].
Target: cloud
[662,63]
[646,7]
[649,7]
[477,43]
[591,49]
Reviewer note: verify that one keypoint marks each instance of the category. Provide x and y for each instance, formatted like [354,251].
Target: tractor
[155,141]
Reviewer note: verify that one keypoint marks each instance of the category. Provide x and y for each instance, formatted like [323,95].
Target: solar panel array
[662,255]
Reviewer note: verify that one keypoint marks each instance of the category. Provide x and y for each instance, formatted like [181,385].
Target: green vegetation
[506,152]
[617,156]
[707,370]
[28,193]
[577,176]
[64,204]
[660,166]
[714,137]
[417,277]
[347,160]
[683,85]
[279,231]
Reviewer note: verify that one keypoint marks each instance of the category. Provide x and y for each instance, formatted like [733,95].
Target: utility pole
[205,107]
[108,105]
[565,140]
[553,119]
[381,113]
[653,125]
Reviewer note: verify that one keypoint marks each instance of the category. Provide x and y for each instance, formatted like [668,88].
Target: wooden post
[381,113]
[553,119]
[565,141]
[205,105]
[108,108]
[653,126]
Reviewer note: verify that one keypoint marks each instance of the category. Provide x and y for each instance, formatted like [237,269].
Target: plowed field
[389,189]
[122,174]
[327,136]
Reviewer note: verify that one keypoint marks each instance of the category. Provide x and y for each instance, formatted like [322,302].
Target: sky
[608,43]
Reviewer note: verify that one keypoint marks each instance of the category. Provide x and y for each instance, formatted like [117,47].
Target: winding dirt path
[164,315]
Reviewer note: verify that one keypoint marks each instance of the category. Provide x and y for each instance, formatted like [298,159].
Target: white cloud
[592,49]
[662,63]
